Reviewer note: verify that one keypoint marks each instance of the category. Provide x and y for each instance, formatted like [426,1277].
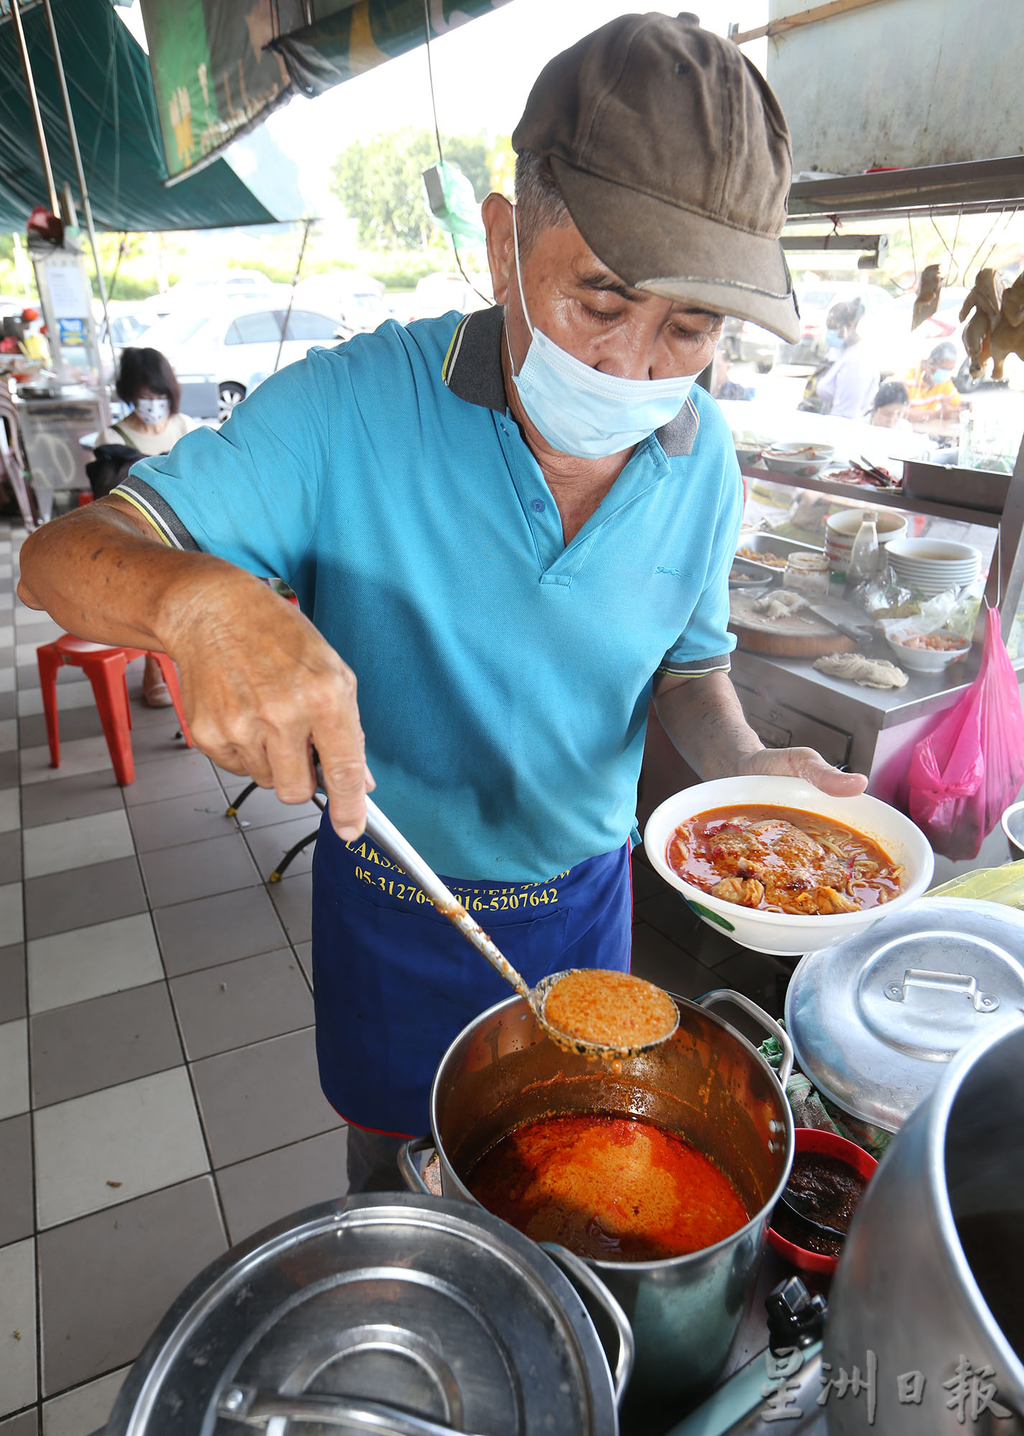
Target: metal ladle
[386,835]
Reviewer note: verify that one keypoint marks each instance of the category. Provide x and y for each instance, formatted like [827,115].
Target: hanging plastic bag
[971,766]
[452,204]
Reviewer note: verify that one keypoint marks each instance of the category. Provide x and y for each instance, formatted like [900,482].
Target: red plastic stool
[105,669]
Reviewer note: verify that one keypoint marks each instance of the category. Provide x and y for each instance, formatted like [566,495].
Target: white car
[355,299]
[236,346]
[437,294]
[209,289]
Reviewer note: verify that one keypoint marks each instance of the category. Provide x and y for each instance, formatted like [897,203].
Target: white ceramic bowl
[841,530]
[931,551]
[785,934]
[801,460]
[747,454]
[927,660]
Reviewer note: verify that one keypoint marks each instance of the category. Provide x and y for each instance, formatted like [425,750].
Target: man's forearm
[704,720]
[101,575]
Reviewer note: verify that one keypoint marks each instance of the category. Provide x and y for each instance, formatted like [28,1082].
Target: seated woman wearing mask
[146,381]
[849,383]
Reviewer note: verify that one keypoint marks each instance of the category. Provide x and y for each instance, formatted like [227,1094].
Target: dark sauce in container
[828,1189]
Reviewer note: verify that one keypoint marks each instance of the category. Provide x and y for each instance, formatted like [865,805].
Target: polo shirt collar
[472,371]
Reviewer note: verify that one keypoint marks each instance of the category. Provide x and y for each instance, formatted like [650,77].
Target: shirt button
[538,506]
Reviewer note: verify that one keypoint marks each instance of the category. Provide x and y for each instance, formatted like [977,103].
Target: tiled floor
[158,1088]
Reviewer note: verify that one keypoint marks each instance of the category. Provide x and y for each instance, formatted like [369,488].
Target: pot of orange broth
[502,1087]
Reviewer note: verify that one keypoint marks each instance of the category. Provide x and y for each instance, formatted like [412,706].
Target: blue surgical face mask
[834,339]
[580,410]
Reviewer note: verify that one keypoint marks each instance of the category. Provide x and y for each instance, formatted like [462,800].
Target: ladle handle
[383,832]
[726,994]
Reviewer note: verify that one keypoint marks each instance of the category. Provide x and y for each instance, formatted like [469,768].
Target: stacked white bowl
[929,566]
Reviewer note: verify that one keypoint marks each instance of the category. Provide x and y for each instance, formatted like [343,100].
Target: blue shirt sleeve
[249,492]
[705,643]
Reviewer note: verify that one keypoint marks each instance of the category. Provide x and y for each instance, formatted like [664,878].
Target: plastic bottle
[864,558]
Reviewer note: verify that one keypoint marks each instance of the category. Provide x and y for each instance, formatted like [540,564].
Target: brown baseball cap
[673,158]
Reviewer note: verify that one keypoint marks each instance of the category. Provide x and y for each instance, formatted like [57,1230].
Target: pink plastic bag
[971,766]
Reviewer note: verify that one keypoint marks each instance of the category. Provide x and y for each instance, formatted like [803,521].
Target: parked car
[355,299]
[437,294]
[128,323]
[237,344]
[209,289]
[747,343]
[817,298]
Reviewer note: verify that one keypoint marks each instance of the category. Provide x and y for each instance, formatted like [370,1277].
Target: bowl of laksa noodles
[781,866]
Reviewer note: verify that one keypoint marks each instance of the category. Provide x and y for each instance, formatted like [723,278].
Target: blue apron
[394,983]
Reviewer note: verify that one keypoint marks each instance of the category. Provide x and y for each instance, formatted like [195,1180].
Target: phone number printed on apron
[472,899]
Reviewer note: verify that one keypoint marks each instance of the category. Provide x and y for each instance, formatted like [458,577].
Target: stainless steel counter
[789,702]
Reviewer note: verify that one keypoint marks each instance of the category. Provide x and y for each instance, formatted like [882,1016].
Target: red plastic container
[809,1139]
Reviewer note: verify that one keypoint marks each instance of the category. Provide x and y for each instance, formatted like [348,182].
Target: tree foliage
[381,186]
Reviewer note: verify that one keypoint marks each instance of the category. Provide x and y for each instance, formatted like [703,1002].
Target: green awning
[360,34]
[221,66]
[118,131]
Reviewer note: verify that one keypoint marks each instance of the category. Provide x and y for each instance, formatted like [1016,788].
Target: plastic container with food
[858,857]
[809,574]
[829,1174]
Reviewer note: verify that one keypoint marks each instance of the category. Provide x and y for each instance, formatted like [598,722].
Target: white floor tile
[81,755]
[85,1409]
[69,695]
[17,1325]
[110,1146]
[26,652]
[92,961]
[8,735]
[77,842]
[24,615]
[12,922]
[13,1071]
[6,629]
[36,628]
[6,680]
[10,810]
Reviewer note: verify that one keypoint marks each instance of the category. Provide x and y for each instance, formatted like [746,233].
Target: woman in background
[849,383]
[146,381]
[891,405]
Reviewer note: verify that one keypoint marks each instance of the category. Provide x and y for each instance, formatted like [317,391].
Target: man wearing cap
[508,528]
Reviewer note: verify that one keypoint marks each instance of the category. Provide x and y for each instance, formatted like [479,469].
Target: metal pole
[83,189]
[291,298]
[33,102]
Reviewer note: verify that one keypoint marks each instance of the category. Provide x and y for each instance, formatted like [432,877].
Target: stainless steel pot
[382,1314]
[706,1083]
[931,1280]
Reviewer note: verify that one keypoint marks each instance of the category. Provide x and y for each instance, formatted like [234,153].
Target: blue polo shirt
[503,676]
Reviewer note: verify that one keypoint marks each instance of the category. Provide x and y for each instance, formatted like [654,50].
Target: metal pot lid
[390,1313]
[874,1019]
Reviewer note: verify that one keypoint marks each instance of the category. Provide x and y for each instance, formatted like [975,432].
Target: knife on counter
[843,617]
